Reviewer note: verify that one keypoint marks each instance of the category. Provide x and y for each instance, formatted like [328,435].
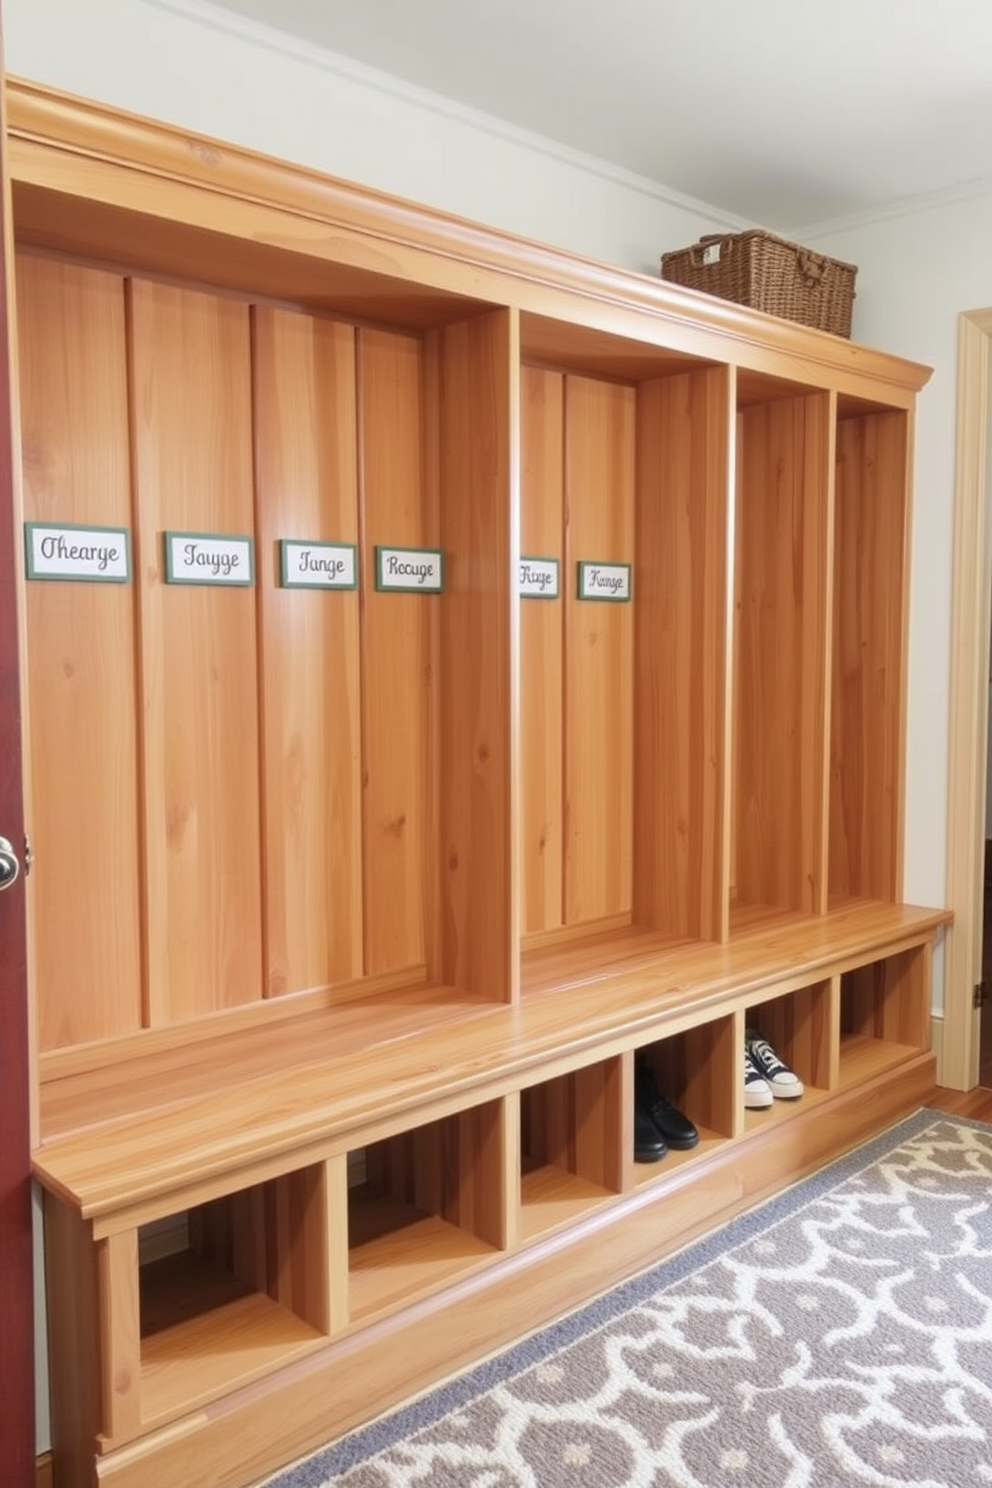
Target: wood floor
[975,1103]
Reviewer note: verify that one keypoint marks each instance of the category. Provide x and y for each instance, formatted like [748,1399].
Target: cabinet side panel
[477,793]
[868,708]
[541,652]
[599,494]
[780,751]
[192,441]
[683,442]
[80,682]
[398,653]
[307,489]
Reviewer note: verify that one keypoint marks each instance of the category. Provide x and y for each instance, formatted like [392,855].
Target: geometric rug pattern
[838,1334]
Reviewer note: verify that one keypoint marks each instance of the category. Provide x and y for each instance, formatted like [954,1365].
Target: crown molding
[270,38]
[903,206]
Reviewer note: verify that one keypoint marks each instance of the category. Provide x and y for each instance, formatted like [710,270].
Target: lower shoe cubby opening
[789,1053]
[571,1155]
[683,1103]
[425,1207]
[884,1014]
[232,1289]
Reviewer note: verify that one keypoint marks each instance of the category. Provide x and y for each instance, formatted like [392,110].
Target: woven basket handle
[811,265]
[697,253]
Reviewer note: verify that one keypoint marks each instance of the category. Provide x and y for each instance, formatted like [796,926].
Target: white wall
[194,65]
[190,65]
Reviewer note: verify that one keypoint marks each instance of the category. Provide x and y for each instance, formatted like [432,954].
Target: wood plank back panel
[192,441]
[542,535]
[399,639]
[599,487]
[307,488]
[781,650]
[80,680]
[680,769]
[477,802]
[869,626]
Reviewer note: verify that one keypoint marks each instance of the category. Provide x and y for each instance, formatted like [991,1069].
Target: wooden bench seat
[161,1128]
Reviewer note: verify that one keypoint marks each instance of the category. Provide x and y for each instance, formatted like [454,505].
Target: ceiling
[785,113]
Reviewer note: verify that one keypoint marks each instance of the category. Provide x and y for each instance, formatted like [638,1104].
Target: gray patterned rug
[839,1334]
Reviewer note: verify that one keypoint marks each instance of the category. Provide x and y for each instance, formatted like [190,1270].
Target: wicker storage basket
[755,268]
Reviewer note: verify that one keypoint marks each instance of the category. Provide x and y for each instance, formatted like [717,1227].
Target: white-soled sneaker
[783,1082]
[757,1091]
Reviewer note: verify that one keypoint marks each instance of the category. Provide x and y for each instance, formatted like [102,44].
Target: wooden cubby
[335,1050]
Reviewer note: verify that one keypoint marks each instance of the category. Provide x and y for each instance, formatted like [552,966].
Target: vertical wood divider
[540,736]
[335,1195]
[512,1169]
[477,385]
[681,646]
[828,1065]
[729,680]
[120,1335]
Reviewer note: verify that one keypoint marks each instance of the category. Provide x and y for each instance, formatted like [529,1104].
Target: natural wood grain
[542,535]
[190,1364]
[80,674]
[307,489]
[87,177]
[453,1063]
[399,659]
[499,1299]
[869,630]
[681,663]
[120,1335]
[476,387]
[191,427]
[779,780]
[599,497]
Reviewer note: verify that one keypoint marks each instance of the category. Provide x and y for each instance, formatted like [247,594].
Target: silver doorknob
[9,866]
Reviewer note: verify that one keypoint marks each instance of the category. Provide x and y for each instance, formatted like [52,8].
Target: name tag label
[206,558]
[411,570]
[608,581]
[99,555]
[539,578]
[317,565]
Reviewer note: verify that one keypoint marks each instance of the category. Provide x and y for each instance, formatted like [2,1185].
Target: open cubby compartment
[572,1154]
[428,1205]
[294,787]
[868,685]
[777,807]
[694,1070]
[801,1027]
[884,1013]
[240,1285]
[624,492]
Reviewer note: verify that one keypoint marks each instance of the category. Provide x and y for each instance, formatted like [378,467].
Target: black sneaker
[675,1128]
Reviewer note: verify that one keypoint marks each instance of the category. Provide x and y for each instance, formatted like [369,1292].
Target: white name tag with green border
[539,578]
[70,550]
[208,558]
[416,570]
[317,565]
[609,581]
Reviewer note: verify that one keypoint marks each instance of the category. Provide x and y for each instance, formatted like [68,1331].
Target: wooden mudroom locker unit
[361,878]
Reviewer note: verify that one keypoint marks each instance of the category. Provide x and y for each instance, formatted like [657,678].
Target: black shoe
[649,1144]
[675,1129]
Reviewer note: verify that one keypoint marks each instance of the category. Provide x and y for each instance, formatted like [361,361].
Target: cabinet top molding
[154,197]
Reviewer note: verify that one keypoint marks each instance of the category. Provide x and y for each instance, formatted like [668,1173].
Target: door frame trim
[971,597]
